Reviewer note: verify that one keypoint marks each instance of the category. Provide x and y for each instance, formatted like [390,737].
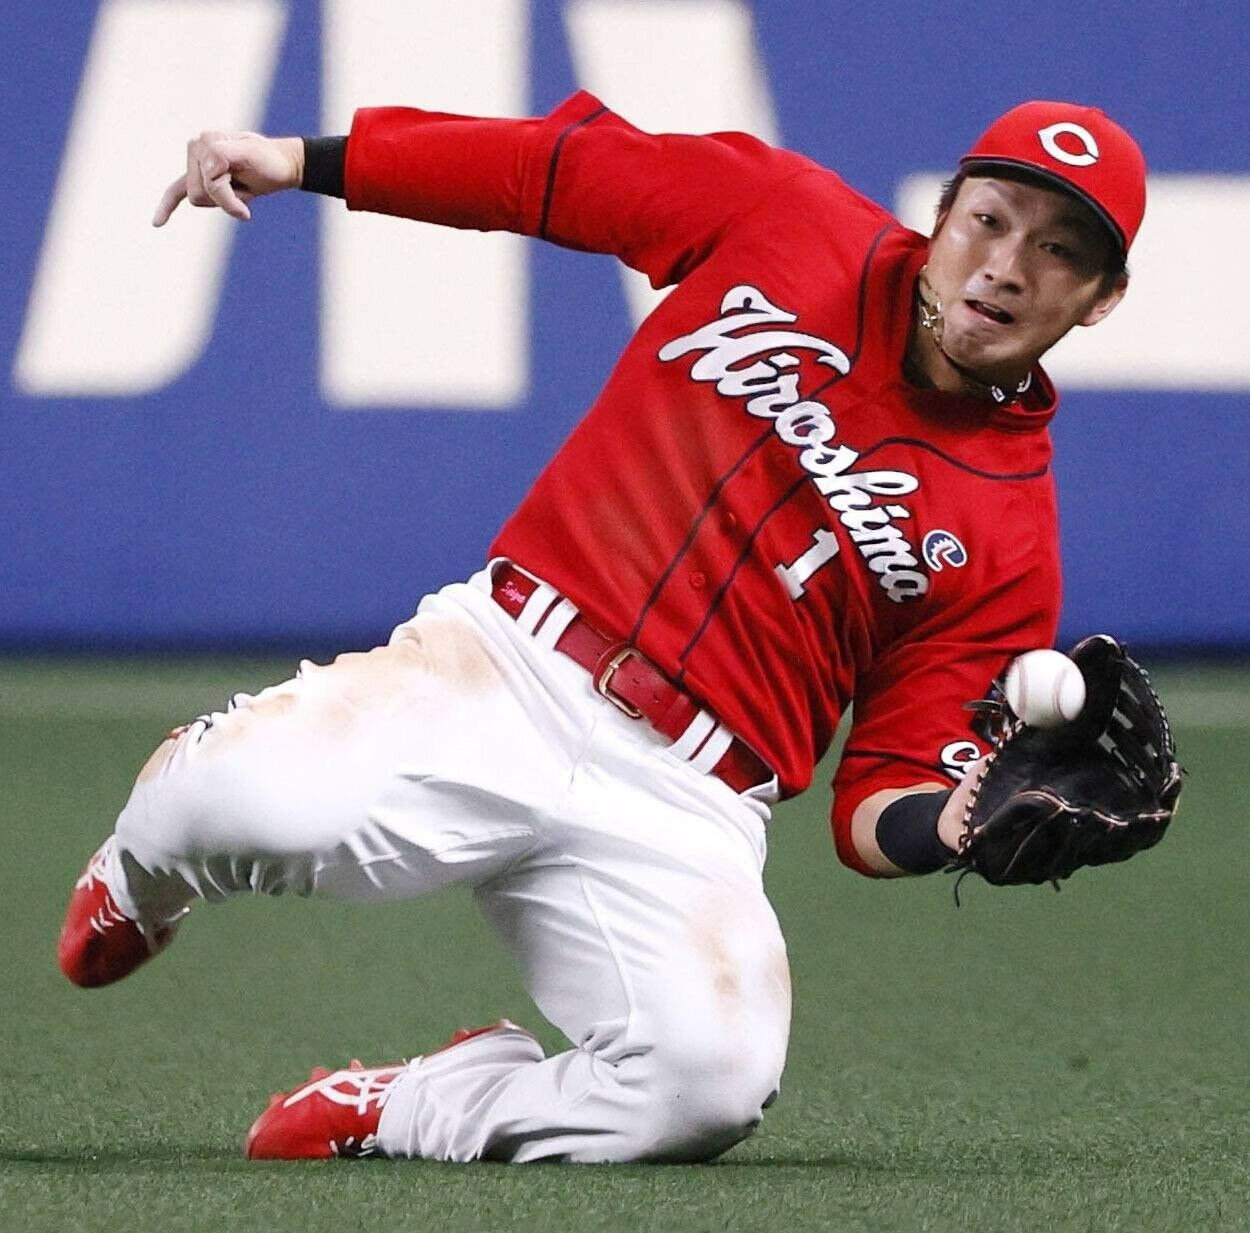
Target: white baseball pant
[626,882]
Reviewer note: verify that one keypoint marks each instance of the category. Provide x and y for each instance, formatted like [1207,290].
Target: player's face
[1016,266]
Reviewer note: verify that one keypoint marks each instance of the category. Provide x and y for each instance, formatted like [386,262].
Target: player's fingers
[213,157]
[195,177]
[208,174]
[210,157]
[208,167]
[221,192]
[169,201]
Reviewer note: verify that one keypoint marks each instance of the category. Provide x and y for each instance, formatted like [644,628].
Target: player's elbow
[855,843]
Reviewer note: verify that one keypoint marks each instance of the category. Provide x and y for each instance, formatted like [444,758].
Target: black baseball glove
[1096,790]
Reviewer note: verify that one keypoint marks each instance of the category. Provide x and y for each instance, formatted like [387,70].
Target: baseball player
[819,472]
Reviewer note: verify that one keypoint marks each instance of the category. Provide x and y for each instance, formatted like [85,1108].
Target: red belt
[630,681]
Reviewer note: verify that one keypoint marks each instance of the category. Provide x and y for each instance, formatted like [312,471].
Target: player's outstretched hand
[1100,788]
[226,170]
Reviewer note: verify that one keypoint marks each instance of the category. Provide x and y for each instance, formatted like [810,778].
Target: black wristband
[324,161]
[907,832]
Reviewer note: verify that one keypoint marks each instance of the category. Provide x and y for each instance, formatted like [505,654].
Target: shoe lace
[156,936]
[95,869]
[358,1088]
[108,914]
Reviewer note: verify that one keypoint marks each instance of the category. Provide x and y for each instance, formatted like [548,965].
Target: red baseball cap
[1079,149]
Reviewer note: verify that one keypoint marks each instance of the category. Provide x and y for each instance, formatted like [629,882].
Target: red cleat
[99,943]
[334,1114]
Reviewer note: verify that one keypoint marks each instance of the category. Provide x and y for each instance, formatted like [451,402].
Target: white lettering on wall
[412,314]
[116,307]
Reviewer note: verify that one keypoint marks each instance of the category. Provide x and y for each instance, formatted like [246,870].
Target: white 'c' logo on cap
[1055,150]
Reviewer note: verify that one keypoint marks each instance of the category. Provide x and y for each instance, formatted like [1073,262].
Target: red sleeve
[910,723]
[581,177]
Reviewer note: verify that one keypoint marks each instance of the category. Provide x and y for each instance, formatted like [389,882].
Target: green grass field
[1030,1061]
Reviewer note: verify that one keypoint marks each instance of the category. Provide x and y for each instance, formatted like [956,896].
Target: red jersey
[759,499]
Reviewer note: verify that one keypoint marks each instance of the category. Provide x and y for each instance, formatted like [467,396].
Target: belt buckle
[604,678]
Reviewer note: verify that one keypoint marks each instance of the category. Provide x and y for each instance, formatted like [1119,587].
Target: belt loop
[691,740]
[558,619]
[714,749]
[536,607]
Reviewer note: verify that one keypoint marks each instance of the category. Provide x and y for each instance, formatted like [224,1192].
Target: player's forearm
[907,831]
[422,165]
[457,171]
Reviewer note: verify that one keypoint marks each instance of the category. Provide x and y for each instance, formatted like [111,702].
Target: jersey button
[731,521]
[698,580]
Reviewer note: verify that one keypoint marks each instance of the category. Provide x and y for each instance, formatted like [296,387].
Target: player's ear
[1106,301]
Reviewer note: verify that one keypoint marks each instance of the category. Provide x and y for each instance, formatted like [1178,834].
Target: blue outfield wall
[234,505]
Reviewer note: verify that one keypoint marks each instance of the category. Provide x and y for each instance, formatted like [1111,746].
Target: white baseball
[1045,688]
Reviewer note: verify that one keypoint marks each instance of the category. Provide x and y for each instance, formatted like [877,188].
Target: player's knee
[703,1097]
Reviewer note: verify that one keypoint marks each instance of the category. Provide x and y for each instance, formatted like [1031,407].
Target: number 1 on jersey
[820,553]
